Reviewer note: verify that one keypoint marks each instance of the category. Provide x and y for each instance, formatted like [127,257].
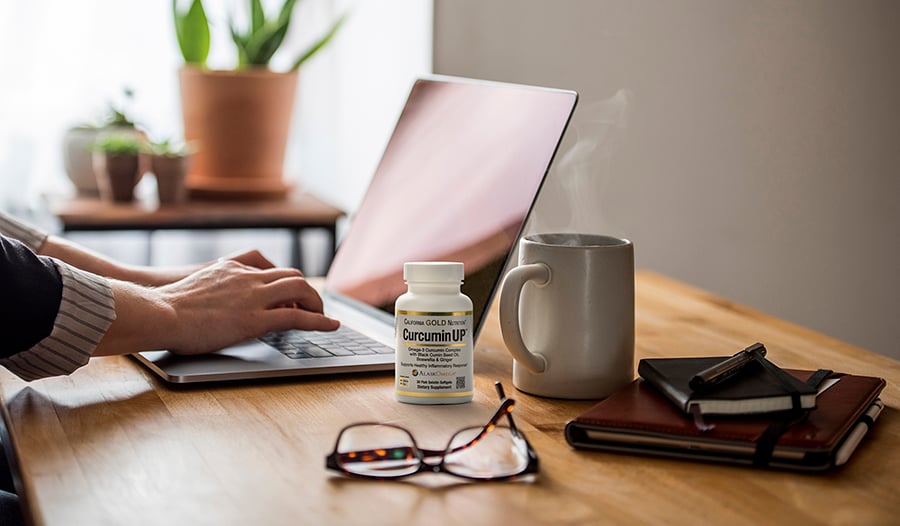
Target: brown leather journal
[638,419]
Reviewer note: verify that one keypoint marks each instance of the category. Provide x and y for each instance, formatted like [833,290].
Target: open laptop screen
[456,182]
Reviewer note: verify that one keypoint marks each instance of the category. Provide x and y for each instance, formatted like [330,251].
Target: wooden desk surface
[299,209]
[112,445]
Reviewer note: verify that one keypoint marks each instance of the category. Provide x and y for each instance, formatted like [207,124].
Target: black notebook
[754,390]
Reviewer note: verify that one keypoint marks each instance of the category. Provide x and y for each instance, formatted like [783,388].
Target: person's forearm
[85,259]
[144,321]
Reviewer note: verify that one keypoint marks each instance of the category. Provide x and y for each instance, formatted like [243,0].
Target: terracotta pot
[239,123]
[171,174]
[117,175]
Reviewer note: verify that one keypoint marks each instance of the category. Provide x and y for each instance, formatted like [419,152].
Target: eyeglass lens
[499,453]
[377,450]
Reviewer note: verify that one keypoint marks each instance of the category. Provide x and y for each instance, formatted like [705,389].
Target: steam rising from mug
[571,199]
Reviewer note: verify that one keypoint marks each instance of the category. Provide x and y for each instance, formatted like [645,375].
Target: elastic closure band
[765,446]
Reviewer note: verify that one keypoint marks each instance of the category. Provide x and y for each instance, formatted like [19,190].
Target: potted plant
[79,140]
[239,119]
[169,162]
[118,165]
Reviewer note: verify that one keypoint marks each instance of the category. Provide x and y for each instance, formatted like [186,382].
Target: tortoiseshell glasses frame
[490,452]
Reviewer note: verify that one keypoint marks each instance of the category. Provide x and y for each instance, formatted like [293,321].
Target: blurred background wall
[749,148]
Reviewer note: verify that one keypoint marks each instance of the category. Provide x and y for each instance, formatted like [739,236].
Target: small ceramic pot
[117,175]
[171,173]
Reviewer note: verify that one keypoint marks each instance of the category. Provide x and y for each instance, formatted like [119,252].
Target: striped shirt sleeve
[85,313]
[29,235]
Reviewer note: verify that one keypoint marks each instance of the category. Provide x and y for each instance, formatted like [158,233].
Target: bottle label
[434,354]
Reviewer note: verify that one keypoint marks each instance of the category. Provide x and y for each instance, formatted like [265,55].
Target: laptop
[456,182]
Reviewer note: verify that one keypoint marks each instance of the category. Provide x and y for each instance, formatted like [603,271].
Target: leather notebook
[638,419]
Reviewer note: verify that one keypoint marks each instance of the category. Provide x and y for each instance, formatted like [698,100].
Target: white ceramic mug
[567,315]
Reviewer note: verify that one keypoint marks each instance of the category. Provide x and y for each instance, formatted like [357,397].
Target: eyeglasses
[491,452]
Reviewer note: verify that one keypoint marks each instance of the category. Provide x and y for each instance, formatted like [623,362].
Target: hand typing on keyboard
[219,305]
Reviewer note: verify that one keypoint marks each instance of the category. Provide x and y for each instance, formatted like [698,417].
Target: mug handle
[510,293]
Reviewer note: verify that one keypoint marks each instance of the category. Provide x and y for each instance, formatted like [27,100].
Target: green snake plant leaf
[274,34]
[322,42]
[192,31]
[286,11]
[266,42]
[257,15]
[240,43]
[265,35]
[255,46]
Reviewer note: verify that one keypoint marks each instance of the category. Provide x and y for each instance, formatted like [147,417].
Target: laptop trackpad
[246,356]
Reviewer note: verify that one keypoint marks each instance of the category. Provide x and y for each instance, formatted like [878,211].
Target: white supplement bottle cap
[433,271]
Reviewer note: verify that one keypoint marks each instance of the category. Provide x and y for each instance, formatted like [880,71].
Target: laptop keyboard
[313,344]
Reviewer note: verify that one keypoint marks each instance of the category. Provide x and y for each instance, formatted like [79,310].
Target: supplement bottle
[434,336]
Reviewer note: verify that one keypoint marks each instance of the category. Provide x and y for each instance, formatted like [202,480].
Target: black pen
[722,371]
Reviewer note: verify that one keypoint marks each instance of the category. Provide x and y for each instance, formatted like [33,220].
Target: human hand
[231,301]
[219,305]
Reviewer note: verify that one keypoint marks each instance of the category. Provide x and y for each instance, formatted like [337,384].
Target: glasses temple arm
[502,395]
[504,409]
